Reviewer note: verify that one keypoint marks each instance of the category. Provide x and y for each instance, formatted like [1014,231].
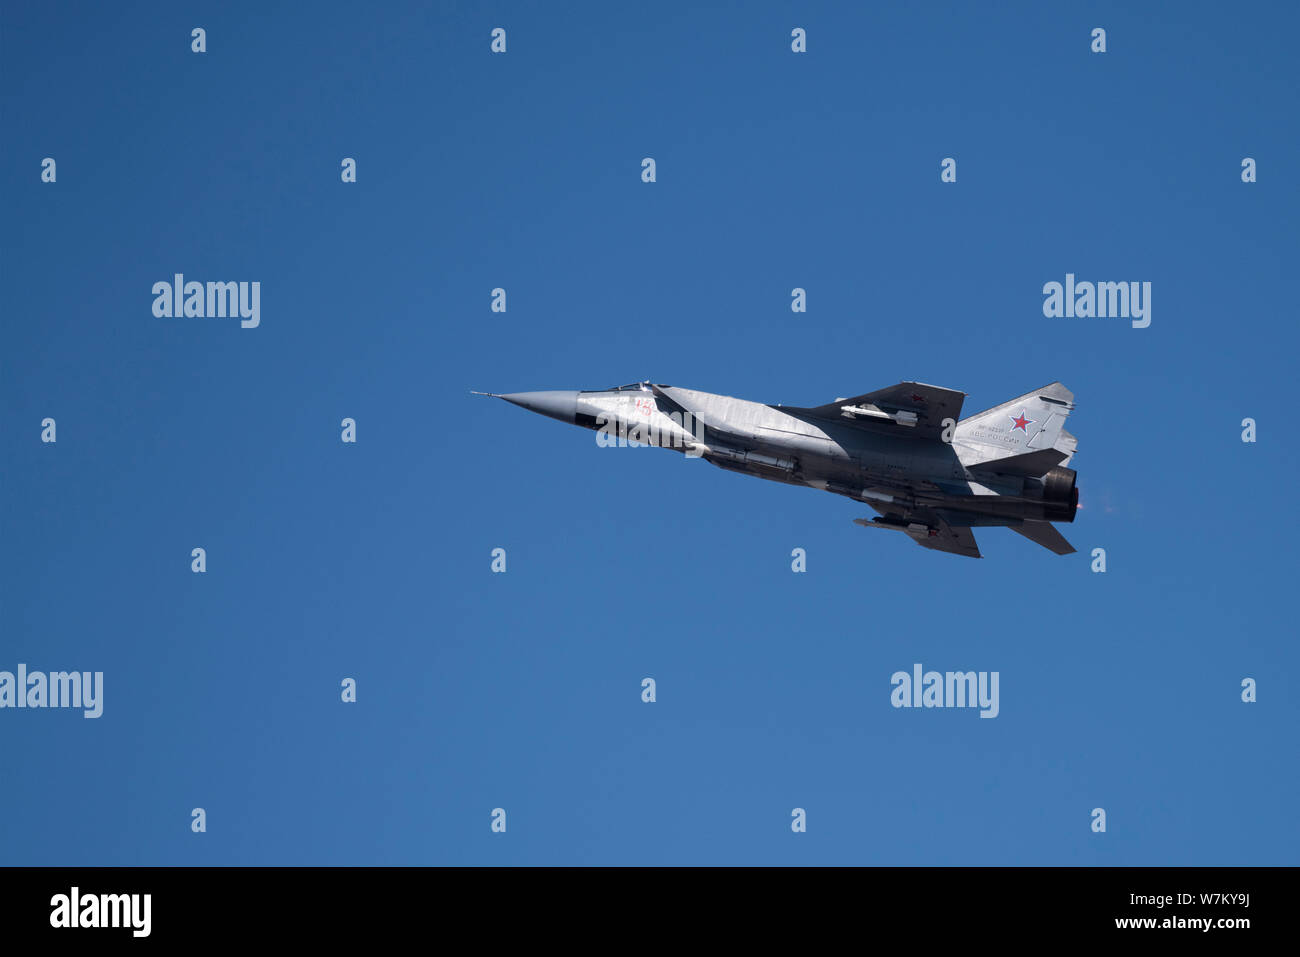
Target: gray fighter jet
[904,451]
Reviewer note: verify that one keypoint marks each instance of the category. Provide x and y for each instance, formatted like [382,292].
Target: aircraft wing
[929,529]
[909,407]
[958,539]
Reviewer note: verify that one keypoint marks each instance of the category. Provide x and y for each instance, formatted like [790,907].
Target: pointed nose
[558,405]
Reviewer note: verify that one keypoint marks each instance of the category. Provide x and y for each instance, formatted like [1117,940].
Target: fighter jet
[904,451]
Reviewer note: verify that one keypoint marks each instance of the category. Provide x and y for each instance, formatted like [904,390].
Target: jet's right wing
[910,408]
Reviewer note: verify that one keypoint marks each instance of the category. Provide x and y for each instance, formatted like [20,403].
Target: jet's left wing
[909,407]
[942,537]
[928,529]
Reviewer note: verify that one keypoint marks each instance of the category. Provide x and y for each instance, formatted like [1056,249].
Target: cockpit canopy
[630,387]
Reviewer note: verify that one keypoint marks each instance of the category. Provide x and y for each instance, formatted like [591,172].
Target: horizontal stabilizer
[1029,463]
[1045,534]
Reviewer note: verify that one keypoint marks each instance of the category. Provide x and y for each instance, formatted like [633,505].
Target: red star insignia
[917,398]
[1020,422]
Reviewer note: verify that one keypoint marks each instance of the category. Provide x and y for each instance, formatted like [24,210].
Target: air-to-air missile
[904,451]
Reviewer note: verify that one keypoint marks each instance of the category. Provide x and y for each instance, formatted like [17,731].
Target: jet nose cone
[558,405]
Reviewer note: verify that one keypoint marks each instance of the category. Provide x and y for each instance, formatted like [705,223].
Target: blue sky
[522,690]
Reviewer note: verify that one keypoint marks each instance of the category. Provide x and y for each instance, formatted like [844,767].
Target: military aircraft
[904,451]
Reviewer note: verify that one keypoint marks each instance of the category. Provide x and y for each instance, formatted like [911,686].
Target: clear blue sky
[522,691]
